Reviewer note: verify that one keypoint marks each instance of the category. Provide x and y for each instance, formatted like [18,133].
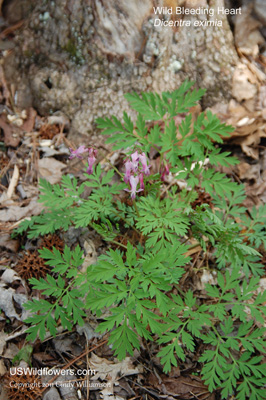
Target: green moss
[71,48]
[74,51]
[28,54]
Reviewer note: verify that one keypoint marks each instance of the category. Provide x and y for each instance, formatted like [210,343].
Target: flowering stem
[111,241]
[119,244]
[119,173]
[136,208]
[127,222]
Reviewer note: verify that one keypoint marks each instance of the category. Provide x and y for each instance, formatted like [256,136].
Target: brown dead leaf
[244,83]
[106,369]
[3,369]
[9,276]
[250,127]
[3,339]
[9,130]
[247,35]
[45,359]
[249,172]
[111,371]
[256,192]
[11,351]
[249,143]
[182,387]
[16,213]
[6,302]
[90,257]
[28,125]
[261,104]
[50,169]
[8,243]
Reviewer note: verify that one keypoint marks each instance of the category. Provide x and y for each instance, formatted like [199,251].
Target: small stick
[13,182]
[73,361]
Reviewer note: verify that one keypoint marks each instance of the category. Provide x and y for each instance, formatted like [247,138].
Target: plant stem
[127,222]
[135,206]
[119,244]
[111,241]
[116,169]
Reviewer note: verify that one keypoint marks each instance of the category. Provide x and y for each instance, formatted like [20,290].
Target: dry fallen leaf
[8,243]
[9,275]
[3,369]
[11,351]
[3,337]
[16,213]
[250,126]
[11,133]
[244,83]
[106,369]
[207,277]
[51,394]
[12,300]
[247,35]
[255,194]
[28,125]
[6,302]
[111,371]
[249,172]
[91,255]
[50,169]
[182,387]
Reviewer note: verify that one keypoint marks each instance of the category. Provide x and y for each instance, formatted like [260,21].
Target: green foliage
[134,289]
[67,305]
[160,221]
[24,354]
[223,367]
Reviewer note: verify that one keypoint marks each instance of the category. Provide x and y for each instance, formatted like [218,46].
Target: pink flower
[133,173]
[133,181]
[129,168]
[135,161]
[91,160]
[77,153]
[143,160]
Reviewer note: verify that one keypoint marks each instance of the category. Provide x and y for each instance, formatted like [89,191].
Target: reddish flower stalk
[164,171]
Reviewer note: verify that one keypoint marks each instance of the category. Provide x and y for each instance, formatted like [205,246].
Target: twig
[11,29]
[13,182]
[72,362]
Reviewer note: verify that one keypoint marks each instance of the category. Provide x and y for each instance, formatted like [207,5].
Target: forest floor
[34,147]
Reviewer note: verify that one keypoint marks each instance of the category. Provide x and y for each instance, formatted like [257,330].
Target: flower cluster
[91,159]
[135,172]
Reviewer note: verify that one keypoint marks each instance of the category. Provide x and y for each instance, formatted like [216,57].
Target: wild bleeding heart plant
[141,289]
